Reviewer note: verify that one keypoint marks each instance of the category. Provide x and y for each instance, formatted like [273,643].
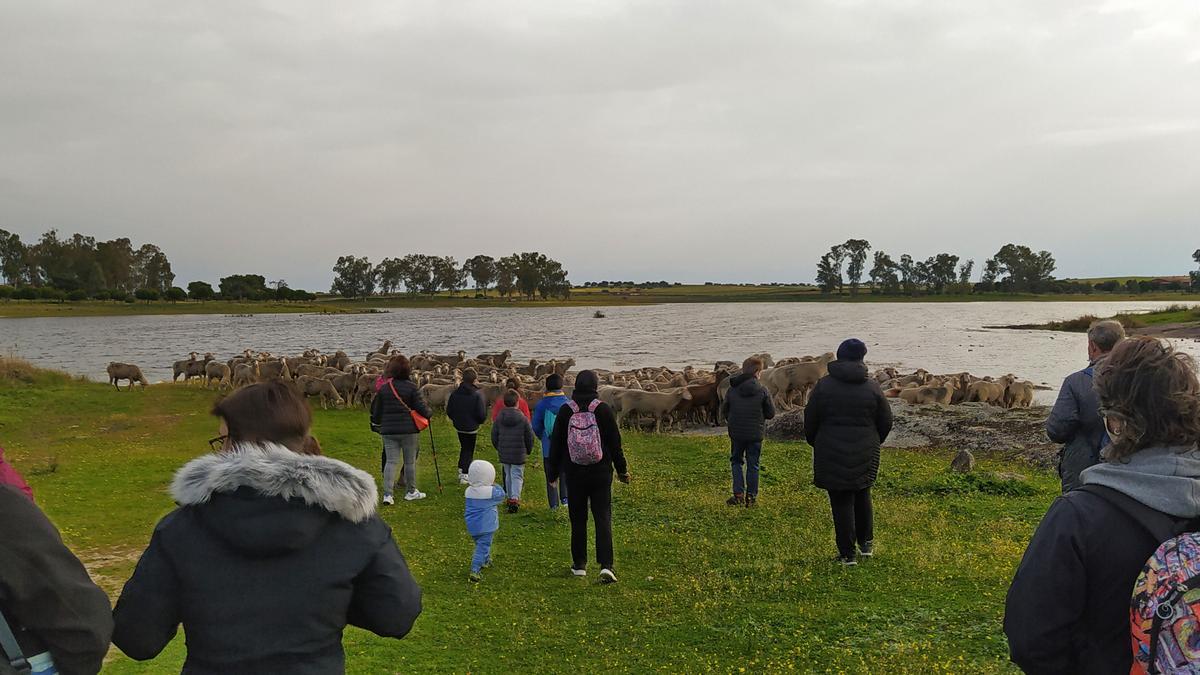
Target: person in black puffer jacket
[391,418]
[466,410]
[270,554]
[846,420]
[747,407]
[589,483]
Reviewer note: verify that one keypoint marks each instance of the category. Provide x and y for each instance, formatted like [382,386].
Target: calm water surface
[941,337]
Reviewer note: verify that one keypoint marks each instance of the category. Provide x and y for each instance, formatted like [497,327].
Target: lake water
[941,337]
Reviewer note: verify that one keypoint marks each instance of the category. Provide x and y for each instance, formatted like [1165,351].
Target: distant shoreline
[1178,321]
[585,297]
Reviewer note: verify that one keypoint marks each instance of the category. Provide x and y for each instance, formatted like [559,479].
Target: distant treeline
[1014,269]
[528,274]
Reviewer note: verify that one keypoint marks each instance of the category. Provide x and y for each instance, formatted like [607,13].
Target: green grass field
[581,297]
[704,587]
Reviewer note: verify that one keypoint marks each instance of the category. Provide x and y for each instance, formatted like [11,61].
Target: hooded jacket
[846,420]
[747,407]
[1075,421]
[1068,607]
[390,416]
[466,408]
[547,411]
[512,436]
[482,498]
[267,559]
[46,594]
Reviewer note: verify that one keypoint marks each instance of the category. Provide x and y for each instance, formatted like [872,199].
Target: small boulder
[788,426]
[963,462]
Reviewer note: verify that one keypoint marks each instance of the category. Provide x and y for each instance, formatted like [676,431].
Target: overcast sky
[689,140]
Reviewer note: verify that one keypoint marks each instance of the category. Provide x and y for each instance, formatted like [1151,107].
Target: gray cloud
[679,140]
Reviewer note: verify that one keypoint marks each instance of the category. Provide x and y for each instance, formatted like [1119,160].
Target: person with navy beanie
[846,421]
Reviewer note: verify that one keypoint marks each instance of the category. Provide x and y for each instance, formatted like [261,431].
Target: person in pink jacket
[10,476]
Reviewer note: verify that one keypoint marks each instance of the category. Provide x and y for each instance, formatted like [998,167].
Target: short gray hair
[1106,334]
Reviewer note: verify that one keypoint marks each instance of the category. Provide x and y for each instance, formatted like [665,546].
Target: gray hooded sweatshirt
[1165,479]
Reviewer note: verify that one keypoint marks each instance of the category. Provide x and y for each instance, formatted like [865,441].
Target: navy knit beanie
[851,350]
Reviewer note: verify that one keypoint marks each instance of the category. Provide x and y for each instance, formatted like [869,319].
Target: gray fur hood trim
[274,471]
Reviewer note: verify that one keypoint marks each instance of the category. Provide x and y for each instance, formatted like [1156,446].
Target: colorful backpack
[1165,614]
[583,435]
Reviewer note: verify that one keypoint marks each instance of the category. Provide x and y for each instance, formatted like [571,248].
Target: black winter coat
[390,416]
[610,440]
[846,420]
[747,407]
[268,558]
[1068,607]
[466,408]
[45,590]
[512,436]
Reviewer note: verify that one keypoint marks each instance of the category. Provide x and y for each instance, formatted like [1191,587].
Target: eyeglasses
[218,442]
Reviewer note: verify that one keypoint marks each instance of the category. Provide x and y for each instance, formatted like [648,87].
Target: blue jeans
[483,550]
[514,480]
[749,452]
[398,448]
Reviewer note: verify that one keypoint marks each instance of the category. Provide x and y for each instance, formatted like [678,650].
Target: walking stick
[436,471]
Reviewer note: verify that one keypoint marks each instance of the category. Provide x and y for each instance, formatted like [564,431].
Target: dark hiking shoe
[475,577]
[847,561]
[512,507]
[866,550]
[751,500]
[736,500]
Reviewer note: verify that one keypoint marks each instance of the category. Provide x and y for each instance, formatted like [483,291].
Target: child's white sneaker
[462,479]
[579,572]
[607,576]
[389,500]
[414,496]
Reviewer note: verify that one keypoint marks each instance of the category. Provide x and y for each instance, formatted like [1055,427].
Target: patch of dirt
[985,430]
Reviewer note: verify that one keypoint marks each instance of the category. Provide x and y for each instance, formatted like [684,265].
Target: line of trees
[1195,275]
[82,264]
[528,274]
[846,263]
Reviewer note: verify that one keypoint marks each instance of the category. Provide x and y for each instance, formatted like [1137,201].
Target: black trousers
[466,452]
[853,519]
[592,488]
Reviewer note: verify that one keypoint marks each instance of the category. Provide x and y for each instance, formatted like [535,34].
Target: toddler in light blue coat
[482,514]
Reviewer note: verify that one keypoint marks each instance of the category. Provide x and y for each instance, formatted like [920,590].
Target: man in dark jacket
[466,410]
[846,420]
[1075,419]
[747,407]
[589,484]
[46,596]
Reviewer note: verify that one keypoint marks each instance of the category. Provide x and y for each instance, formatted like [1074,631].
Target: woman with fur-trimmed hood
[273,550]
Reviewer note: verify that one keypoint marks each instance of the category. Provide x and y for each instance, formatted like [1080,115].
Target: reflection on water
[942,337]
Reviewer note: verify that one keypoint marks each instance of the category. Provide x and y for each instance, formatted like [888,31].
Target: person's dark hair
[554,382]
[752,365]
[1153,392]
[271,411]
[512,383]
[469,376]
[586,385]
[398,368]
[510,398]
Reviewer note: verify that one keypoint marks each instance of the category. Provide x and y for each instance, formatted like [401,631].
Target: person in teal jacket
[543,423]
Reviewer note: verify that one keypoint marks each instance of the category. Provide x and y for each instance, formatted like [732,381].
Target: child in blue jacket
[543,423]
[482,514]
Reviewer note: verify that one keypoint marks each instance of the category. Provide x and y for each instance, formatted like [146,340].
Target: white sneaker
[607,577]
[414,496]
[387,499]
[462,479]
[579,573]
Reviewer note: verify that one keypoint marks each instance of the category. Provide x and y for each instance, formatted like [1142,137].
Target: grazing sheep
[220,372]
[788,383]
[1019,395]
[180,367]
[272,370]
[659,404]
[928,394]
[125,371]
[989,392]
[245,374]
[321,388]
[438,394]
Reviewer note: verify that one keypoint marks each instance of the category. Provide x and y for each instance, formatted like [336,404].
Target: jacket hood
[744,384]
[464,388]
[852,372]
[1165,479]
[480,475]
[510,417]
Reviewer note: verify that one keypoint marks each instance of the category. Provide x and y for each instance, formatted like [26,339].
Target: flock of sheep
[666,396]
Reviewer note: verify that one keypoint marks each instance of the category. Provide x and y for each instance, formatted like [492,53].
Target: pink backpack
[583,435]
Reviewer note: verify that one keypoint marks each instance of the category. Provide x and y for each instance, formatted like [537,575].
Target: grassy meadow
[704,587]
